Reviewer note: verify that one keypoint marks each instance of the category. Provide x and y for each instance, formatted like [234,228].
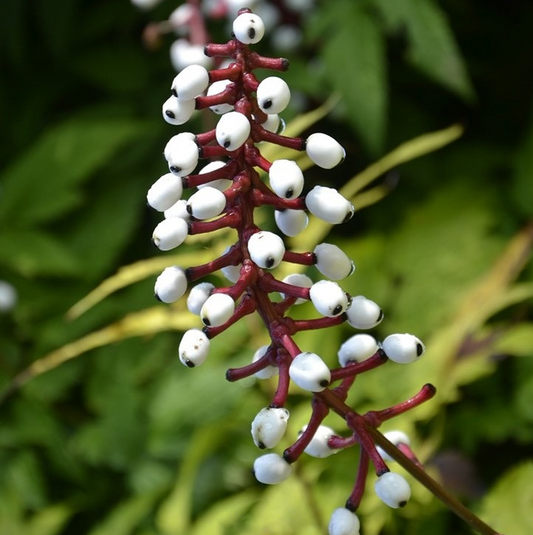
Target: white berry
[248,28]
[221,183]
[266,249]
[198,296]
[8,296]
[217,309]
[178,209]
[357,348]
[206,203]
[177,111]
[318,447]
[324,151]
[298,279]
[214,89]
[273,95]
[269,426]
[190,82]
[273,122]
[329,298]
[310,372]
[271,469]
[183,157]
[329,205]
[194,348]
[171,284]
[396,437]
[170,233]
[174,141]
[332,261]
[393,489]
[183,54]
[403,348]
[232,130]
[286,179]
[344,522]
[267,372]
[165,192]
[291,222]
[364,313]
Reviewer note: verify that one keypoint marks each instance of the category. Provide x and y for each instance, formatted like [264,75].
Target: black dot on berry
[337,310]
[289,193]
[381,315]
[261,446]
[175,169]
[324,383]
[251,32]
[189,363]
[402,504]
[206,321]
[419,349]
[267,104]
[227,143]
[270,262]
[170,114]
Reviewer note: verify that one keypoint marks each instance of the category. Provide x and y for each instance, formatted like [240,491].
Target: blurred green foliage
[123,440]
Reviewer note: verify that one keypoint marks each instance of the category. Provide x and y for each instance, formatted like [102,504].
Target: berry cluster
[228,190]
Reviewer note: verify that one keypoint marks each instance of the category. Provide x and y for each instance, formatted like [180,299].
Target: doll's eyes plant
[237,180]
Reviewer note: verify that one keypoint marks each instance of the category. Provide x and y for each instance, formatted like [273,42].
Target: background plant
[104,443]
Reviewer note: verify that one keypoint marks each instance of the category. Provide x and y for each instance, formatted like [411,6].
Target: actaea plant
[228,191]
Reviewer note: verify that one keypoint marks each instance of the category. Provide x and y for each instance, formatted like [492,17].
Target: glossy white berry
[364,313]
[170,233]
[206,203]
[329,205]
[310,372]
[269,426]
[183,157]
[267,372]
[232,130]
[291,222]
[396,437]
[177,111]
[217,309]
[393,489]
[357,348]
[165,192]
[403,348]
[318,447]
[344,522]
[298,279]
[271,469]
[248,28]
[178,209]
[332,261]
[221,183]
[232,273]
[266,249]
[183,54]
[190,82]
[329,298]
[214,89]
[194,348]
[174,141]
[170,285]
[274,123]
[8,296]
[273,95]
[324,151]
[286,179]
[198,296]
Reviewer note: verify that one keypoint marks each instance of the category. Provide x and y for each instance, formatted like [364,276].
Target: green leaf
[355,64]
[522,186]
[49,521]
[44,183]
[507,507]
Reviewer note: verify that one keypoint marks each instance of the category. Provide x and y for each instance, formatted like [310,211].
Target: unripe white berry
[198,296]
[273,95]
[396,437]
[183,157]
[269,426]
[329,205]
[190,82]
[8,296]
[364,313]
[286,179]
[214,89]
[232,130]
[183,54]
[324,151]
[170,285]
[344,522]
[194,348]
[170,233]
[329,298]
[273,122]
[174,143]
[269,371]
[165,192]
[310,372]
[403,348]
[266,249]
[357,348]
[318,447]
[222,183]
[291,222]
[332,261]
[393,489]
[217,309]
[178,209]
[206,203]
[177,111]
[298,279]
[181,17]
[248,28]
